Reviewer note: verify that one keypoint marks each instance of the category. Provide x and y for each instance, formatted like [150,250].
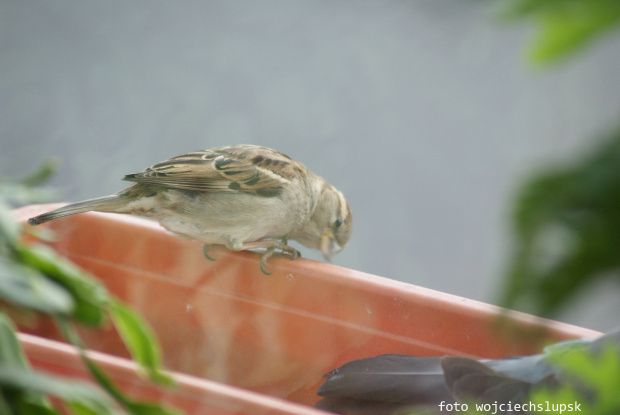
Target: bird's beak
[329,247]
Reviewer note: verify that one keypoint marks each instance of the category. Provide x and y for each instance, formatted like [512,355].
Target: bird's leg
[205,252]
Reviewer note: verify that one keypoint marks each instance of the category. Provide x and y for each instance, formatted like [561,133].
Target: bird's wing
[387,378]
[243,168]
[470,379]
[384,384]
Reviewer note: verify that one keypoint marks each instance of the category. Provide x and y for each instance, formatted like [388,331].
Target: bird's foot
[270,246]
[289,250]
[286,249]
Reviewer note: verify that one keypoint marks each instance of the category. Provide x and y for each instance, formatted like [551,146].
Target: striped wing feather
[243,168]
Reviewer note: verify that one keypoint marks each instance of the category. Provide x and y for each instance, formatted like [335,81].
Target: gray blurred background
[424,113]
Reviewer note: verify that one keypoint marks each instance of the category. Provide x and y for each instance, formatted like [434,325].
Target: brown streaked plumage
[241,196]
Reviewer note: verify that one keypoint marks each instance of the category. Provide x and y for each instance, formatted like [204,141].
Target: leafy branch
[33,278]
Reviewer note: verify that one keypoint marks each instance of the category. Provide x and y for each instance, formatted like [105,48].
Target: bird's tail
[101,204]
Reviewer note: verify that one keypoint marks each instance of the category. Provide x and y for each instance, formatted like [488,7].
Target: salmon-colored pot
[242,342]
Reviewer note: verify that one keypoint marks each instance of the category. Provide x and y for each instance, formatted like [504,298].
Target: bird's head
[331,225]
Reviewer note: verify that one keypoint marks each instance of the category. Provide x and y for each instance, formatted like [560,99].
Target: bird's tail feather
[101,204]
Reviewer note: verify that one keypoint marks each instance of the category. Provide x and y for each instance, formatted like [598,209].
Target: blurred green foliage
[586,382]
[567,218]
[595,381]
[566,231]
[27,189]
[33,278]
[563,26]
[566,221]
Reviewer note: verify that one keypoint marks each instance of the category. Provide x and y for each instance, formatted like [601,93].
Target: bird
[243,197]
[393,384]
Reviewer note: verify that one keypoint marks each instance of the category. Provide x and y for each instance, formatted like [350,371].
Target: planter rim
[352,278]
[189,387]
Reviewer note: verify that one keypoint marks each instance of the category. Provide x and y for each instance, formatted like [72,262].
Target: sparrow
[241,196]
[393,384]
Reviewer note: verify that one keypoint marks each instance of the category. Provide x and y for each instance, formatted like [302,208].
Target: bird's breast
[230,217]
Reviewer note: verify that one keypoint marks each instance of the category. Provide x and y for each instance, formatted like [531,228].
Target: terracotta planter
[193,395]
[260,344]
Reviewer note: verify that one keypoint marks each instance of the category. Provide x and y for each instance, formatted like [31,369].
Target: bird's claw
[263,261]
[287,249]
[293,253]
[262,267]
[205,252]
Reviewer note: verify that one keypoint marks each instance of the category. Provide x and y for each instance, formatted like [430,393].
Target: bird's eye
[338,223]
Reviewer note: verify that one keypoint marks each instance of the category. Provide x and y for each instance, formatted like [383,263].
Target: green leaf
[569,30]
[39,177]
[11,353]
[78,408]
[140,340]
[591,379]
[30,408]
[134,407]
[23,190]
[19,193]
[90,296]
[9,229]
[19,379]
[12,356]
[27,287]
[564,26]
[5,407]
[142,408]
